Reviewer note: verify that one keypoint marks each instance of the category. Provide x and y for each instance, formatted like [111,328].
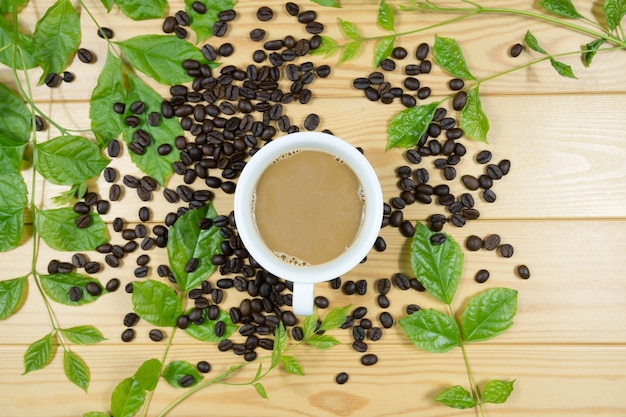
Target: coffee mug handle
[303,298]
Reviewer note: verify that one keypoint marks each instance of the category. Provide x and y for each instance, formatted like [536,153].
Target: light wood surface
[563,208]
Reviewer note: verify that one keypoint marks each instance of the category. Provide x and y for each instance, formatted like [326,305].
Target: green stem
[470,374]
[431,7]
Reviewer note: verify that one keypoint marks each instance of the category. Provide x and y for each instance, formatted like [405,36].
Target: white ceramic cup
[304,277]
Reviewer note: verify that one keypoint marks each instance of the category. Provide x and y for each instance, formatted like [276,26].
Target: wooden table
[562,207]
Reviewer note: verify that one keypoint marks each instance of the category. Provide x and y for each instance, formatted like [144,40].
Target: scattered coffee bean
[75,294]
[112,285]
[516,50]
[341,378]
[128,335]
[311,122]
[438,239]
[491,242]
[203,366]
[523,271]
[264,13]
[84,55]
[506,250]
[52,80]
[369,359]
[482,276]
[473,243]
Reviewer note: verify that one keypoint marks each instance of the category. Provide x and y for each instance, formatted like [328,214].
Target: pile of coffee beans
[228,114]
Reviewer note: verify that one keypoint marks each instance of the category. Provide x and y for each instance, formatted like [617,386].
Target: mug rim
[368,232]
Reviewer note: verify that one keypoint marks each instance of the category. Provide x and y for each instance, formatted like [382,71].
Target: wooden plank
[575,294]
[550,380]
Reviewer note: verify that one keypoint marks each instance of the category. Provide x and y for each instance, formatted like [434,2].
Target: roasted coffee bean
[399,52]
[182,322]
[408,101]
[505,166]
[491,242]
[482,276]
[358,333]
[75,293]
[361,287]
[112,285]
[425,66]
[456,84]
[220,28]
[523,271]
[79,260]
[130,247]
[411,83]
[84,55]
[191,265]
[311,122]
[449,173]
[459,100]
[438,239]
[494,171]
[379,244]
[321,302]
[386,320]
[105,33]
[307,16]
[130,319]
[83,221]
[423,93]
[335,283]
[470,182]
[186,381]
[383,285]
[257,35]
[407,229]
[93,288]
[52,80]
[483,157]
[259,56]
[506,250]
[64,267]
[401,281]
[141,272]
[359,312]
[485,182]
[182,18]
[220,328]
[314,28]
[115,192]
[102,206]
[273,45]
[516,50]
[155,335]
[341,378]
[382,301]
[359,346]
[458,220]
[138,107]
[143,260]
[128,335]
[349,287]
[489,196]
[369,359]
[129,288]
[68,77]
[473,243]
[264,13]
[203,366]
[422,51]
[226,49]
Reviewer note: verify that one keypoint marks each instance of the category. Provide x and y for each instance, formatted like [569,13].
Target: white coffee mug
[304,277]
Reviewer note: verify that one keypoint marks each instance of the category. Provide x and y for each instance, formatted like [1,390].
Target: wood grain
[562,207]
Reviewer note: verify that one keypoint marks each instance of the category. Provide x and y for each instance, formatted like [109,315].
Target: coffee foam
[291,260]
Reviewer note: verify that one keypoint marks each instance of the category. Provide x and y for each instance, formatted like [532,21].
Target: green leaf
[431,330]
[57,287]
[280,342]
[148,374]
[156,303]
[76,370]
[489,314]
[349,29]
[13,201]
[56,37]
[322,341]
[186,240]
[58,229]
[108,4]
[327,47]
[349,52]
[614,12]
[76,191]
[456,397]
[160,56]
[497,391]
[142,10]
[202,24]
[205,331]
[309,326]
[291,365]
[437,267]
[473,119]
[6,6]
[335,318]
[105,123]
[96,414]
[127,398]
[38,354]
[407,127]
[533,44]
[15,119]
[260,389]
[383,49]
[590,50]
[11,156]
[327,3]
[448,55]
[385,18]
[83,335]
[68,160]
[563,8]
[151,163]
[175,370]
[563,69]
[24,42]
[11,293]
